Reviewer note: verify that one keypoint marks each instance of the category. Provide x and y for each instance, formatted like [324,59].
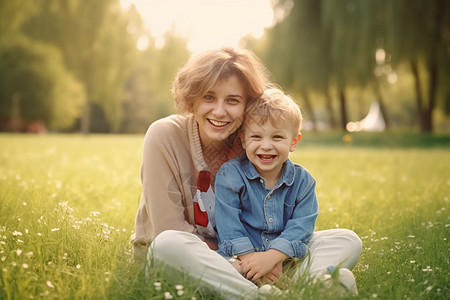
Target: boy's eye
[278,137]
[255,136]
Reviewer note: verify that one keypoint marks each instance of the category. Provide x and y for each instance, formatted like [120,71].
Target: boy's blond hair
[275,105]
[203,70]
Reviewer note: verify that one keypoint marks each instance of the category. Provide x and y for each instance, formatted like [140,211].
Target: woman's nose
[219,109]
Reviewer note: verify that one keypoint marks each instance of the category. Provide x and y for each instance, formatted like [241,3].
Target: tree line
[395,52]
[74,65]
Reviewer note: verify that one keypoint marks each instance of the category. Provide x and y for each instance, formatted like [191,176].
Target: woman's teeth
[217,123]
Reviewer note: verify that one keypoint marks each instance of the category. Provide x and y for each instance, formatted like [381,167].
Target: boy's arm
[232,236]
[300,226]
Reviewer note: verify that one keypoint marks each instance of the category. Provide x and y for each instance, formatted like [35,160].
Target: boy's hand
[237,266]
[274,275]
[258,264]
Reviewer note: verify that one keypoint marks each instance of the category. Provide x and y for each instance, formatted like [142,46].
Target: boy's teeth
[266,156]
[216,123]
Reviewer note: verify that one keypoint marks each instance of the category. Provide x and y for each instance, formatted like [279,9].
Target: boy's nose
[266,144]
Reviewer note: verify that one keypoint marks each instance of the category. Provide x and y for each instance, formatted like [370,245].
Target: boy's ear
[295,142]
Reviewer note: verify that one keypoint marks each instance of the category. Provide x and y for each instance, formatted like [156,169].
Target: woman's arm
[164,185]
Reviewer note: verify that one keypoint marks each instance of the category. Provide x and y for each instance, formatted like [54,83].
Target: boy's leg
[333,247]
[329,249]
[187,253]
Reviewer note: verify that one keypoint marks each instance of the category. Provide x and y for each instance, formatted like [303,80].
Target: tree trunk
[309,108]
[329,107]
[433,68]
[343,103]
[419,96]
[380,99]
[86,117]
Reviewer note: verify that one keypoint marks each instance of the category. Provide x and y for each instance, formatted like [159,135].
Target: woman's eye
[233,100]
[208,97]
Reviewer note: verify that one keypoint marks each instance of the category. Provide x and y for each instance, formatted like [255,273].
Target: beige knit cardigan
[172,158]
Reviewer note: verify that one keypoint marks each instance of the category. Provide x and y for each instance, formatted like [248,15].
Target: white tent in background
[374,120]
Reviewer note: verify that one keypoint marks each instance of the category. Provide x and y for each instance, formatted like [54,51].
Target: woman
[182,153]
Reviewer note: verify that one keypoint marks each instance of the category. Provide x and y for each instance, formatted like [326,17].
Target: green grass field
[67,208]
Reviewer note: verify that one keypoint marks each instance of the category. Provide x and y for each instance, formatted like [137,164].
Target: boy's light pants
[186,252]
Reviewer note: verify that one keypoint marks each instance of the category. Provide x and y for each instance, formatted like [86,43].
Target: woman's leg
[333,247]
[187,253]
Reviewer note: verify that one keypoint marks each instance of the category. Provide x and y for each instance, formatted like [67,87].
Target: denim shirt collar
[287,172]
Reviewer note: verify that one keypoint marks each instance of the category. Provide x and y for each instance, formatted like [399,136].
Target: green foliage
[96,47]
[35,73]
[148,87]
[122,89]
[323,44]
[68,205]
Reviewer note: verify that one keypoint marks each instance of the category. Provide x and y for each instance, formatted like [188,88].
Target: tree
[33,76]
[149,86]
[96,47]
[418,36]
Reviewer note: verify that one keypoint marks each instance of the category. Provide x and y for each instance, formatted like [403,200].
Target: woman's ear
[295,142]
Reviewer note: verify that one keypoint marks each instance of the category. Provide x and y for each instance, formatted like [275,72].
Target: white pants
[186,252]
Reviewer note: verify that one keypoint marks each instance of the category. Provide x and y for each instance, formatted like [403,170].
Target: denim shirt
[249,217]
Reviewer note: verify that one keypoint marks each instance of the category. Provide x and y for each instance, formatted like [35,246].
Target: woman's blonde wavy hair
[202,72]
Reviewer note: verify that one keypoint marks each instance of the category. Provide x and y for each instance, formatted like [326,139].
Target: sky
[206,24]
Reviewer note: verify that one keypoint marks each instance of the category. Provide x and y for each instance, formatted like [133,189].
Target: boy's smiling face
[267,146]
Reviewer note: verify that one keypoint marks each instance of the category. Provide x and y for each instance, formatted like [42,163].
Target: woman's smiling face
[221,110]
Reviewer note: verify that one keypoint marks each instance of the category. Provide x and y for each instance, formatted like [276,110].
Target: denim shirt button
[268,197]
[270,220]
[262,181]
[267,240]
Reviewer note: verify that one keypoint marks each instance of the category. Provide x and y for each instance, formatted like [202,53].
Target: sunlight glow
[205,23]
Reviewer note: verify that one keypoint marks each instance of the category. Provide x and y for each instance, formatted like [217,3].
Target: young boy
[266,206]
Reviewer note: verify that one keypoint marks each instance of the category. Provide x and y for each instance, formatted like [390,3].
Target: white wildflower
[50,284]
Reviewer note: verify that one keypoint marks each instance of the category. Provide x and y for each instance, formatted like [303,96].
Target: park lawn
[68,202]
